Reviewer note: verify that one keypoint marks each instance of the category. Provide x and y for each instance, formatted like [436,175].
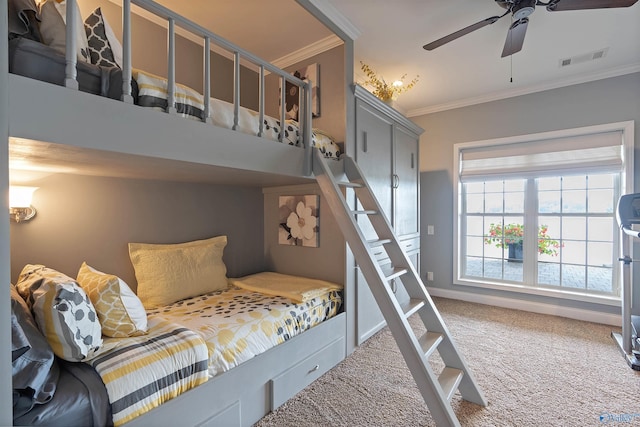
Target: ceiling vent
[584,57]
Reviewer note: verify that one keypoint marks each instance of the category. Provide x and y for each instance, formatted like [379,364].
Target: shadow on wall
[436,209]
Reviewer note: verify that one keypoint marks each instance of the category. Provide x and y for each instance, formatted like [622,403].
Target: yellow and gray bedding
[181,344]
[238,324]
[143,372]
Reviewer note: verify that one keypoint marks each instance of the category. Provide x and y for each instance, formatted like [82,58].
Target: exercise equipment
[628,214]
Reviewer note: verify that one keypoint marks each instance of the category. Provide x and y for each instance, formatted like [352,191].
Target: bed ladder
[437,390]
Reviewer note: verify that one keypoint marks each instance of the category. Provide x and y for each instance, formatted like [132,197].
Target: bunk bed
[93,114]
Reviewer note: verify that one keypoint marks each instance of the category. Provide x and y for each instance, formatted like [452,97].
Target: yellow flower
[383,90]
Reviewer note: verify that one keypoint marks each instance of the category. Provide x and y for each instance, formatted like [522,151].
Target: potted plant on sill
[511,237]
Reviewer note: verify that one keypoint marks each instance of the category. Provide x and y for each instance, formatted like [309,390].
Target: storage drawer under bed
[294,379]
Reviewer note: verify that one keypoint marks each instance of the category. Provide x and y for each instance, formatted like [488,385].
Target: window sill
[548,292]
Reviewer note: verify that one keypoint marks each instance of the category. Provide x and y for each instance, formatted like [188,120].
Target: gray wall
[326,262]
[332,92]
[604,101]
[149,53]
[83,218]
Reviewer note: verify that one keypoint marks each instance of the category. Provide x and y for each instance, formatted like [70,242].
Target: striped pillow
[63,312]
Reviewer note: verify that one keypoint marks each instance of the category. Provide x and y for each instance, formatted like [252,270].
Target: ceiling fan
[520,11]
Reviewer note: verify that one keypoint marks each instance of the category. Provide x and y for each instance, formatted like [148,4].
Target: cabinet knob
[315,368]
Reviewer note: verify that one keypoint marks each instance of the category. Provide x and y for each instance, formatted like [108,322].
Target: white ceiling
[470,69]
[466,71]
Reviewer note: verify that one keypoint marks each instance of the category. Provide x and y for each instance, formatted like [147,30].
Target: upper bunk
[238,98]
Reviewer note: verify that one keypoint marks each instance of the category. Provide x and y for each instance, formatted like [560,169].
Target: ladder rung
[412,306]
[350,184]
[366,212]
[378,242]
[449,380]
[429,342]
[395,272]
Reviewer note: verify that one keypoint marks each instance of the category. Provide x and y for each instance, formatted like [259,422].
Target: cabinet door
[407,175]
[374,142]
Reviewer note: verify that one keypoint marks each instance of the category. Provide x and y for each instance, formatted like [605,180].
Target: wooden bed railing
[208,38]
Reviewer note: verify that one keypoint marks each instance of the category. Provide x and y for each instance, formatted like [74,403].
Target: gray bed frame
[65,126]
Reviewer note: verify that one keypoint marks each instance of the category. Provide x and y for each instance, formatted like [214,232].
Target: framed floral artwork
[299,220]
[292,95]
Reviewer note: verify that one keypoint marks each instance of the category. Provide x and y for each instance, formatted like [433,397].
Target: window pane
[552,224]
[601,229]
[493,187]
[573,252]
[600,254]
[574,276]
[493,203]
[474,226]
[601,201]
[600,279]
[574,228]
[514,202]
[574,201]
[574,182]
[474,187]
[473,267]
[549,183]
[549,273]
[514,185]
[549,202]
[474,246]
[475,203]
[601,181]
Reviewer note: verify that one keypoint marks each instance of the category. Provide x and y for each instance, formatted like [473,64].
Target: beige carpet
[535,370]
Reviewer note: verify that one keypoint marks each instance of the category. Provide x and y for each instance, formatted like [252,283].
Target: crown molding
[496,96]
[308,51]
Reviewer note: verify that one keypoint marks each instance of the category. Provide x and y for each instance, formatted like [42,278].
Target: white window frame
[626,186]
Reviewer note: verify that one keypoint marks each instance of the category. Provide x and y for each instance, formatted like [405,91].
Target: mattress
[237,324]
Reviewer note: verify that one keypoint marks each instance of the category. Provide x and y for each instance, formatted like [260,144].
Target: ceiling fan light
[523,9]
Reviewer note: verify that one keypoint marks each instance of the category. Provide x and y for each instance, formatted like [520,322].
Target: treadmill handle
[630,231]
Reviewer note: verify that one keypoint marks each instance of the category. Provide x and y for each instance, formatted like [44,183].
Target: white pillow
[116,47]
[120,311]
[169,273]
[82,46]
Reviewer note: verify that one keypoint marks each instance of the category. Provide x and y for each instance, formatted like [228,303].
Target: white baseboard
[535,307]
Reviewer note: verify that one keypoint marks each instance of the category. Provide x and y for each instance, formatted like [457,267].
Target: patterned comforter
[237,324]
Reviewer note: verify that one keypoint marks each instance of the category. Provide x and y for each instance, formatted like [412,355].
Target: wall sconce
[20,208]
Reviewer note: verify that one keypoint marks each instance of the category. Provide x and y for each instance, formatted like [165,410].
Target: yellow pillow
[169,273]
[120,311]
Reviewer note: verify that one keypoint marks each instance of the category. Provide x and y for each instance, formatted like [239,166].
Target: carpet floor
[534,370]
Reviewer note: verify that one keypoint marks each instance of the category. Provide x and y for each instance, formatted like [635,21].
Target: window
[537,213]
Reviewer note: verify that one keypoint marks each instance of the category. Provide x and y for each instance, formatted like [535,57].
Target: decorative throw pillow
[99,47]
[56,35]
[120,311]
[63,312]
[169,273]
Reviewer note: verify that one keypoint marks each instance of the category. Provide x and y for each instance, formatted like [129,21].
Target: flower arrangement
[513,234]
[382,89]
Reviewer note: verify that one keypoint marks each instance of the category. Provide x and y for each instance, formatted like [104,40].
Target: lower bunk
[224,357]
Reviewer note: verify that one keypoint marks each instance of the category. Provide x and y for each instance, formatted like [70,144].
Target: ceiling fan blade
[460,33]
[515,37]
[555,6]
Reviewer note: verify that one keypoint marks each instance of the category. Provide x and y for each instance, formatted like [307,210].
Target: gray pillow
[34,368]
